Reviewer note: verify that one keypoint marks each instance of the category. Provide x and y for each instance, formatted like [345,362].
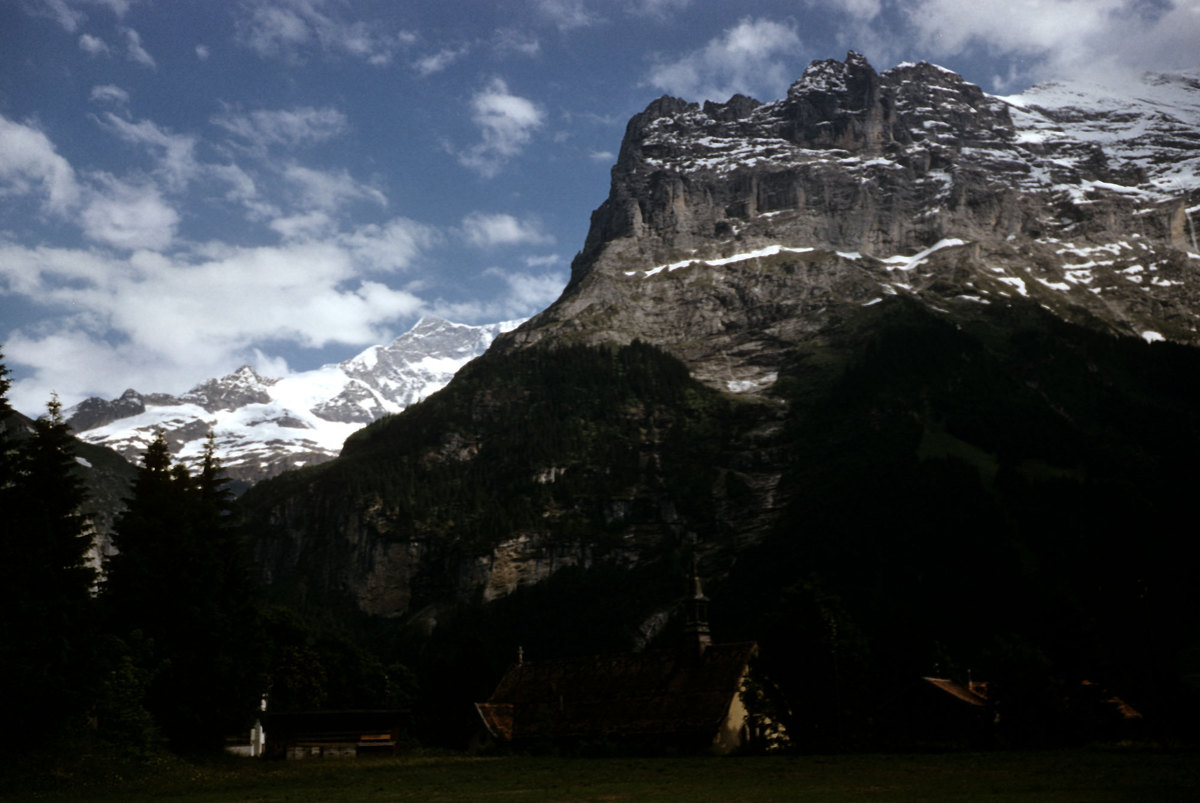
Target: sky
[187,186]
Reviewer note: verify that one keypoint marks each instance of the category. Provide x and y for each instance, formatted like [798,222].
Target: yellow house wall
[732,734]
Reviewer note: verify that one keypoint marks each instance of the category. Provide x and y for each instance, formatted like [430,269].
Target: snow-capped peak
[266,425]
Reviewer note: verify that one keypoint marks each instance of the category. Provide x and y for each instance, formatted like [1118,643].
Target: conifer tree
[46,609]
[180,581]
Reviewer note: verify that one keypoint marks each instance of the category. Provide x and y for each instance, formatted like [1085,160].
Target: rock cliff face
[751,241]
[732,230]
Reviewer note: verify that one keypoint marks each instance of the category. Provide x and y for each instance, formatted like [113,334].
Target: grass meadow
[1070,775]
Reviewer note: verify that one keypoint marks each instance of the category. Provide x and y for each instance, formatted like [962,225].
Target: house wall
[732,734]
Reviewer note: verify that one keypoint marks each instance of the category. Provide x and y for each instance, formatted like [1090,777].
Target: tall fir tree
[180,581]
[46,608]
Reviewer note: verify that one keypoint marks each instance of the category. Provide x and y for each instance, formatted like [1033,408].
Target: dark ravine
[857,348]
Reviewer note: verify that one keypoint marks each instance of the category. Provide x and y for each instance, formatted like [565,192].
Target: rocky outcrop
[732,230]
[751,241]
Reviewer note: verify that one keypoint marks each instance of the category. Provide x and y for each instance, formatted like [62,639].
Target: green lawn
[1077,775]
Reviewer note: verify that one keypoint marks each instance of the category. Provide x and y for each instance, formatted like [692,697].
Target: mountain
[912,369]
[735,230]
[267,425]
[105,475]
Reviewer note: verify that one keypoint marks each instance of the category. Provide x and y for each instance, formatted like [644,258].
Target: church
[696,698]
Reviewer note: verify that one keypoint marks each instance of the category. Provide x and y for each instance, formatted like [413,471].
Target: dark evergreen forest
[1002,496]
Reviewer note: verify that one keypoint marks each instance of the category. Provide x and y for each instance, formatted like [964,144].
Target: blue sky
[187,186]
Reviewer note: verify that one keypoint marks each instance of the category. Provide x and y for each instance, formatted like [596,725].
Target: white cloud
[93,45]
[529,293]
[485,231]
[506,122]
[69,358]
[129,216]
[305,226]
[108,93]
[29,164]
[202,52]
[244,190]
[511,40]
[542,261]
[604,157]
[67,16]
[134,50]
[392,247]
[168,319]
[290,28]
[520,295]
[658,8]
[303,125]
[175,152]
[859,9]
[440,60]
[751,58]
[118,7]
[567,15]
[329,190]
[1065,36]
[1040,39]
[70,14]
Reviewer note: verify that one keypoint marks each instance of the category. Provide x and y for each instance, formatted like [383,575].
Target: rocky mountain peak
[738,228]
[265,425]
[243,386]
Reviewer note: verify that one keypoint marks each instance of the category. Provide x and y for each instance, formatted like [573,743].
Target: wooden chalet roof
[668,694]
[958,691]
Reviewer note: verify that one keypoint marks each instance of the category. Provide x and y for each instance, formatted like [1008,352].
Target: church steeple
[695,627]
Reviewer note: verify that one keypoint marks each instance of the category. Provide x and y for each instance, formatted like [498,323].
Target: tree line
[161,648]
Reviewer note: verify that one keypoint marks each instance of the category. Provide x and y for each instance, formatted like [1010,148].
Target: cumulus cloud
[64,12]
[93,45]
[329,190]
[134,50]
[859,9]
[108,93]
[567,15]
[304,226]
[512,41]
[290,29]
[129,216]
[439,61]
[1066,36]
[394,246]
[202,52]
[753,57]
[30,165]
[485,231]
[519,294]
[243,189]
[70,14]
[304,125]
[168,318]
[1040,38]
[175,153]
[658,8]
[506,123]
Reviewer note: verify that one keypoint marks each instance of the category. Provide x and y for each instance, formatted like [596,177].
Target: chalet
[692,699]
[333,734]
[951,711]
